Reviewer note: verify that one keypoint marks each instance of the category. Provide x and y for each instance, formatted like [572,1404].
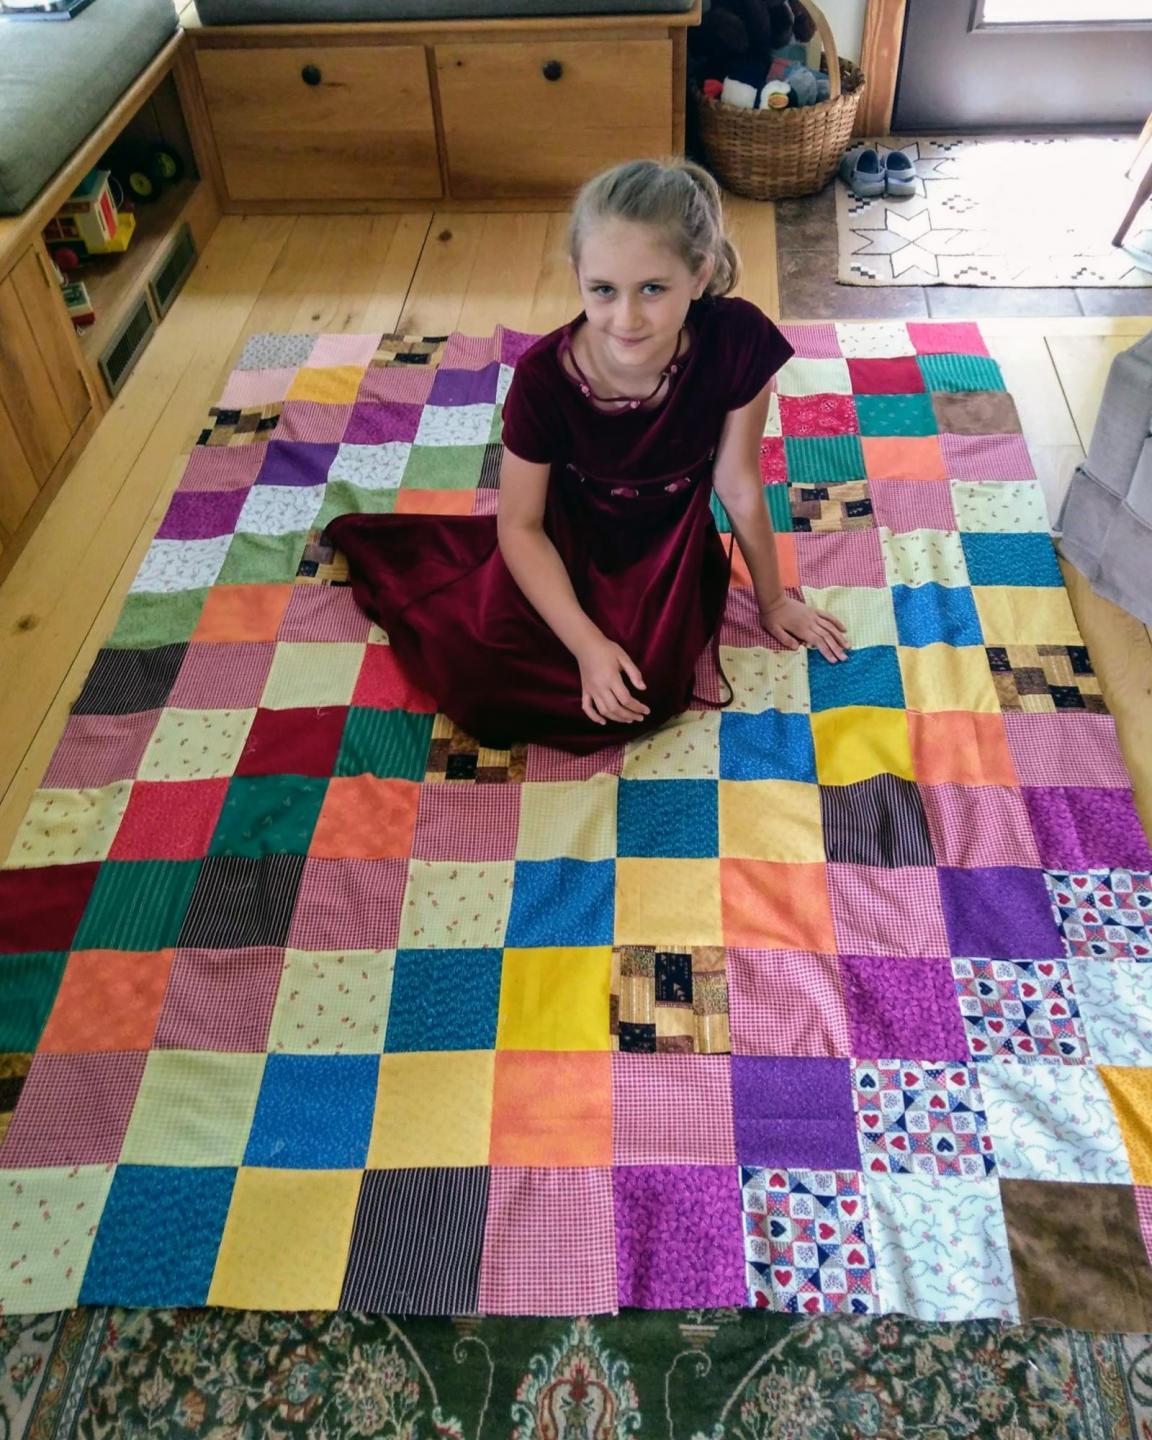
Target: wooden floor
[424,273]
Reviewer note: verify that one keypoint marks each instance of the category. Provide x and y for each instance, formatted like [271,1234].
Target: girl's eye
[602,290]
[654,289]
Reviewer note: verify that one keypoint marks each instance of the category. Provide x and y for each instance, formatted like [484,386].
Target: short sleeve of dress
[534,425]
[756,350]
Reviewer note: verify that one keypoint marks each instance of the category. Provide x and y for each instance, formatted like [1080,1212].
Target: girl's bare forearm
[757,540]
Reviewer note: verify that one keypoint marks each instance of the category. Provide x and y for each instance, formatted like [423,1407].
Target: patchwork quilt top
[838,999]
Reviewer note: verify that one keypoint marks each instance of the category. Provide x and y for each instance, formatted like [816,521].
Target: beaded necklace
[633,404]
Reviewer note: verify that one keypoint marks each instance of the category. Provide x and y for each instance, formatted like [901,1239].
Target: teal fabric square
[960,372]
[720,515]
[824,459]
[869,676]
[896,415]
[137,905]
[28,984]
[779,507]
[444,1000]
[268,815]
[390,744]
[1011,559]
[676,819]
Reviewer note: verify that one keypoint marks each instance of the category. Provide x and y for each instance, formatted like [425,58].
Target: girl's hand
[793,623]
[604,695]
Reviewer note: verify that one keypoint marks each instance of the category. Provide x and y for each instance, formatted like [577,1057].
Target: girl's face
[636,292]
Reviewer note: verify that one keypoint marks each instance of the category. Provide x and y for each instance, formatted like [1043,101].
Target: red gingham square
[1066,749]
[219,999]
[961,338]
[902,505]
[740,625]
[169,820]
[1144,1214]
[467,822]
[324,612]
[312,421]
[549,1243]
[470,352]
[349,905]
[843,557]
[877,911]
[786,1002]
[222,467]
[222,677]
[406,384]
[672,1110]
[813,342]
[986,457]
[543,763]
[976,825]
[96,750]
[73,1110]
[814,415]
[383,684]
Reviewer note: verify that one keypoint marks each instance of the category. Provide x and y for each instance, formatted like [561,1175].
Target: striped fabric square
[904,505]
[242,903]
[313,422]
[220,677]
[226,467]
[74,1110]
[876,822]
[813,342]
[672,1110]
[402,384]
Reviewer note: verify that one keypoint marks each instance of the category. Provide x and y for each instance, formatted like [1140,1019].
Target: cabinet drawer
[323,122]
[538,119]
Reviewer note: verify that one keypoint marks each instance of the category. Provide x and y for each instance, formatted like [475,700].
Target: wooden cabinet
[536,119]
[333,122]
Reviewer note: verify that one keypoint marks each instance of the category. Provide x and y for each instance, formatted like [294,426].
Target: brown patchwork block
[975,412]
[424,350]
[454,756]
[821,509]
[240,427]
[669,1001]
[13,1072]
[1045,678]
[321,563]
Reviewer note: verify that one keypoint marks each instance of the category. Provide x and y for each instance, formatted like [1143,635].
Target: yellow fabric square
[196,744]
[331,385]
[571,818]
[814,377]
[767,679]
[285,1242]
[305,676]
[65,827]
[1130,1091]
[859,741]
[947,677]
[866,612]
[432,1109]
[555,999]
[770,820]
[667,903]
[687,748]
[1026,615]
[454,906]
[922,557]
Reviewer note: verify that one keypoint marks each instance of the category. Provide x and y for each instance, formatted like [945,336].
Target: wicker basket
[768,154]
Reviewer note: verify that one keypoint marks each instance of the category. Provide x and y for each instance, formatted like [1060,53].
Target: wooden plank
[555,300]
[33,406]
[880,49]
[1082,363]
[48,491]
[18,484]
[436,295]
[431,32]
[752,229]
[1031,379]
[501,287]
[48,319]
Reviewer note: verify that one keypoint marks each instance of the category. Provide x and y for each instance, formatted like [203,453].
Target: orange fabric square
[383,685]
[242,612]
[773,906]
[552,1108]
[108,1000]
[785,558]
[435,502]
[364,818]
[960,747]
[903,457]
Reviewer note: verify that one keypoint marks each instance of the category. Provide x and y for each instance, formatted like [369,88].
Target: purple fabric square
[296,464]
[513,344]
[201,514]
[813,342]
[378,423]
[465,387]
[1001,914]
[74,1110]
[679,1236]
[986,457]
[1079,828]
[903,1009]
[794,1113]
[95,750]
[222,676]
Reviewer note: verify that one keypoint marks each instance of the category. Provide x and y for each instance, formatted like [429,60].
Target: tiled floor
[806,247]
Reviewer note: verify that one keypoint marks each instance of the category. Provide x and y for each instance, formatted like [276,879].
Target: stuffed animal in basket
[736,33]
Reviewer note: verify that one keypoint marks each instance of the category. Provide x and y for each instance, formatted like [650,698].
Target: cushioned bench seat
[295,12]
[58,81]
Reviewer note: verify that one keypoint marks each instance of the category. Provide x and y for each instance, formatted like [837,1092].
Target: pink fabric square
[975,825]
[844,557]
[342,350]
[986,457]
[813,342]
[95,750]
[679,1236]
[544,763]
[960,338]
[401,384]
[902,505]
[219,999]
[786,1002]
[672,1109]
[74,1110]
[470,352]
[222,676]
[1066,749]
[169,820]
[349,905]
[222,467]
[487,502]
[1144,1214]
[467,822]
[740,624]
[816,415]
[383,684]
[314,422]
[549,1243]
[324,612]
[878,911]
[255,387]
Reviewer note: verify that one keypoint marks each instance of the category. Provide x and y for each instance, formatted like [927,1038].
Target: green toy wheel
[142,186]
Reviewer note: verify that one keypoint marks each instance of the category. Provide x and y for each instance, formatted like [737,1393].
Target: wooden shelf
[116,282]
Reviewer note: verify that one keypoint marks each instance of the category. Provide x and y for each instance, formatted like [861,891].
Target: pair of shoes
[867,176]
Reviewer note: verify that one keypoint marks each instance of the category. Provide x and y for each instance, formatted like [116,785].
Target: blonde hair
[677,198]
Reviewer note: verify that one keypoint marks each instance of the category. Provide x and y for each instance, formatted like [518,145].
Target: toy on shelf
[144,169]
[89,223]
[78,304]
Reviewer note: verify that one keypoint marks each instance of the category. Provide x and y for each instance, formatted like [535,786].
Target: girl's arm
[736,477]
[537,568]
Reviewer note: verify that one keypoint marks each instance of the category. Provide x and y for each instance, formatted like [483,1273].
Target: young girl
[576,617]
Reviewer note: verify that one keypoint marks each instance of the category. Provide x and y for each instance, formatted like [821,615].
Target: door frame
[880,61]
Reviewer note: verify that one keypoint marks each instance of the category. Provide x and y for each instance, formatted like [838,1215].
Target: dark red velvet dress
[628,510]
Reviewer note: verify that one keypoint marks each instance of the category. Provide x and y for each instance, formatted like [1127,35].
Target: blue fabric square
[772,746]
[936,615]
[444,1000]
[670,818]
[1025,559]
[314,1112]
[869,676]
[136,1258]
[562,902]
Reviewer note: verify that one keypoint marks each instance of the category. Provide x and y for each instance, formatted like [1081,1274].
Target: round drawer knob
[552,70]
[311,75]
